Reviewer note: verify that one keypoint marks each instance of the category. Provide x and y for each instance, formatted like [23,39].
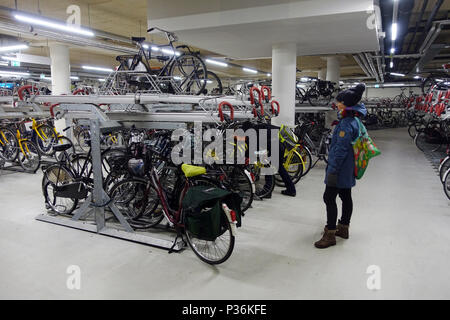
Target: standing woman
[340,177]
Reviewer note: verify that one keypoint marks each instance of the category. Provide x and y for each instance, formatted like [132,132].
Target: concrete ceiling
[129,18]
[248,29]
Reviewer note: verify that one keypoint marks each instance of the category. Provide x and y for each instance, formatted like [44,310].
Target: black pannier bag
[203,212]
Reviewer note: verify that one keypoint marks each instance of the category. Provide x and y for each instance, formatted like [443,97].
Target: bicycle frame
[173,216]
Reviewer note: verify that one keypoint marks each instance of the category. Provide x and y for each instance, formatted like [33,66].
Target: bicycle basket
[287,135]
[136,167]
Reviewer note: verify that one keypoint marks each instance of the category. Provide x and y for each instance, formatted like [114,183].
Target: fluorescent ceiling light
[392,50]
[97,69]
[249,70]
[13,48]
[394,85]
[53,25]
[397,74]
[394,31]
[304,79]
[217,63]
[102,80]
[14,74]
[9,58]
[269,74]
[391,65]
[439,80]
[74,77]
[416,77]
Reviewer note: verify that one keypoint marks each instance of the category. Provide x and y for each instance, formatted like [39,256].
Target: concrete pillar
[60,73]
[322,74]
[333,69]
[284,70]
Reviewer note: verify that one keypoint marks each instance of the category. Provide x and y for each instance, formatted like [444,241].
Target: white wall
[389,92]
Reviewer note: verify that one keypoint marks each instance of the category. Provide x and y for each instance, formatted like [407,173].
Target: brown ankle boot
[342,231]
[328,239]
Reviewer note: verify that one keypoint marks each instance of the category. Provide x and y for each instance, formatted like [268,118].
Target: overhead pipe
[380,69]
[372,66]
[433,34]
[429,22]
[367,65]
[422,11]
[361,65]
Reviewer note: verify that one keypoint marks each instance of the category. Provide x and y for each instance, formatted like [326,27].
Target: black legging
[329,197]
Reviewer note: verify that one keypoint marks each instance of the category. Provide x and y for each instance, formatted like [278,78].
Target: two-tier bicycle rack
[150,111]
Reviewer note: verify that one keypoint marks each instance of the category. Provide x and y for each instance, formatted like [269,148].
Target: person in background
[340,177]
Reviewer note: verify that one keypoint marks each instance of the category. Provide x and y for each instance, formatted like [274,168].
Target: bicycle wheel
[264,185]
[46,139]
[30,158]
[412,131]
[57,176]
[313,97]
[300,94]
[136,198]
[83,136]
[446,184]
[9,146]
[443,168]
[294,167]
[213,252]
[241,183]
[213,84]
[188,72]
[307,159]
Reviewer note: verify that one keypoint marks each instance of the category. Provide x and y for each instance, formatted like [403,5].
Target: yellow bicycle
[29,156]
[46,137]
[8,145]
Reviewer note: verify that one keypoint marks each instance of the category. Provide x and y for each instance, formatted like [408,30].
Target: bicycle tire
[313,97]
[199,67]
[446,184]
[202,255]
[443,168]
[412,131]
[31,160]
[242,184]
[46,146]
[217,88]
[53,177]
[9,149]
[261,190]
[136,205]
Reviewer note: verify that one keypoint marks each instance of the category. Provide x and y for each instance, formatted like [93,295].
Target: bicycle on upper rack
[318,93]
[185,72]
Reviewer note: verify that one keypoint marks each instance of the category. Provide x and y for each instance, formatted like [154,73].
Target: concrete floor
[400,224]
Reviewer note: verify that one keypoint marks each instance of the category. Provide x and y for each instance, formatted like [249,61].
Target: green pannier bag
[364,149]
[203,212]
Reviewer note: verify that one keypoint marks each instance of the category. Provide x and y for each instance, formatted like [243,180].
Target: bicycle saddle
[192,171]
[138,39]
[62,147]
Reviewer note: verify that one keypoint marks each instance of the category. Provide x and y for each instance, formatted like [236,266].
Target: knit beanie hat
[352,96]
